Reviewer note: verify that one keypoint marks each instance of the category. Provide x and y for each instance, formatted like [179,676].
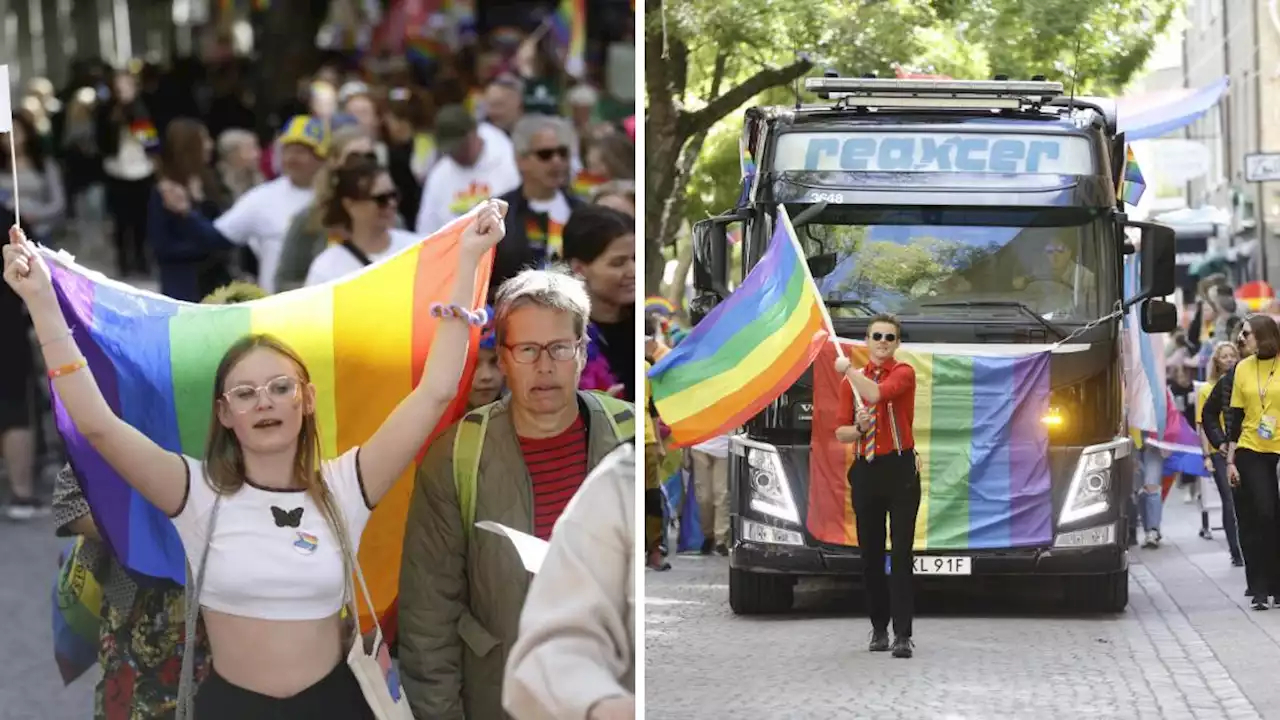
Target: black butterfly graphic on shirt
[293,518]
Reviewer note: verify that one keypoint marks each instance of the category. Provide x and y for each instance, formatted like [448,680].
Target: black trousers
[1229,523]
[888,487]
[335,697]
[1259,500]
[127,202]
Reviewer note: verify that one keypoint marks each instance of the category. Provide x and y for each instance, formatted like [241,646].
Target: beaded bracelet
[478,318]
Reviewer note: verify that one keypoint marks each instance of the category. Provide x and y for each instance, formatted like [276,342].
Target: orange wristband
[67,369]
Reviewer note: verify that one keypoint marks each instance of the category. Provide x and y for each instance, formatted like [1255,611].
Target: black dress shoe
[879,641]
[707,544]
[902,647]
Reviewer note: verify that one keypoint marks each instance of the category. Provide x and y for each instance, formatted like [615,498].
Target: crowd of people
[184,194]
[1221,372]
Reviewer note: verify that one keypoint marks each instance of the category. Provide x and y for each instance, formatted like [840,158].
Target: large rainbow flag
[364,340]
[984,480]
[747,351]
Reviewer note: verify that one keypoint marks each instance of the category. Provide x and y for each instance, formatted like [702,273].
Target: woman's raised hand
[24,269]
[488,228]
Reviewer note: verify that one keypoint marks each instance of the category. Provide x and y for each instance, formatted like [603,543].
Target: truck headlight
[770,491]
[1089,493]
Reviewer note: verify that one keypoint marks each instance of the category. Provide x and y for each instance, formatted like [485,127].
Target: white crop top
[273,555]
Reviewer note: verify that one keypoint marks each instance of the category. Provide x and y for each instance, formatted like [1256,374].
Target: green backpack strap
[467,445]
[621,415]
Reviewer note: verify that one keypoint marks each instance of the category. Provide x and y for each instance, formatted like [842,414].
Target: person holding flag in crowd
[275,624]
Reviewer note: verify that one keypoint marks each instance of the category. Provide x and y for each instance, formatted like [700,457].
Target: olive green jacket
[461,593]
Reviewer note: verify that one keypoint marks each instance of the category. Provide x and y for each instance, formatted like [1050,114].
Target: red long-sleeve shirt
[896,409]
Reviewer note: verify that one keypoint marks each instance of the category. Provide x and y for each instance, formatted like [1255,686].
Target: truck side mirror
[1157,256]
[711,252]
[1159,316]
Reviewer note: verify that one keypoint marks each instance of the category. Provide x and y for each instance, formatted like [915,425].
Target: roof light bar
[920,87]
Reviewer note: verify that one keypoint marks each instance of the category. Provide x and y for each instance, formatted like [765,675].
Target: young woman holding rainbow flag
[274,597]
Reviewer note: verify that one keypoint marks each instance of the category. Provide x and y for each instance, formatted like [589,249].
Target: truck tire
[1107,593]
[760,593]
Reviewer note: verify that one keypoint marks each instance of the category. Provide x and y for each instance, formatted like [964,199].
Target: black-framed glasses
[546,154]
[887,337]
[528,353]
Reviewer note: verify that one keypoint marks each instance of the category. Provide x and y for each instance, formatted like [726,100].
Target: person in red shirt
[885,478]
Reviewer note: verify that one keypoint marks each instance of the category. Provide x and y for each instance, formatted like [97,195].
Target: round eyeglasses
[243,398]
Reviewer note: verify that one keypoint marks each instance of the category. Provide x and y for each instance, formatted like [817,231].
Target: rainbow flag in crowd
[584,183]
[748,167]
[422,48]
[1133,185]
[984,479]
[659,305]
[746,352]
[144,131]
[155,360]
[569,28]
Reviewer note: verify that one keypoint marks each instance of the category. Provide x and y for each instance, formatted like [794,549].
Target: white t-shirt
[260,219]
[337,261]
[452,190]
[273,556]
[717,446]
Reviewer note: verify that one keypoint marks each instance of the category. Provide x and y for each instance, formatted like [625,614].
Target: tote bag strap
[186,683]
[353,564]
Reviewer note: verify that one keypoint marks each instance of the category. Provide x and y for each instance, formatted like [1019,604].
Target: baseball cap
[453,124]
[306,130]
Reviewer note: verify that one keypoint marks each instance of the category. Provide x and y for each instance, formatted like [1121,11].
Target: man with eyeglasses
[541,206]
[885,478]
[518,462]
[1064,285]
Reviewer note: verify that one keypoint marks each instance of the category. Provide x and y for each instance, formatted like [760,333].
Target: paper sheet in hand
[6,108]
[532,550]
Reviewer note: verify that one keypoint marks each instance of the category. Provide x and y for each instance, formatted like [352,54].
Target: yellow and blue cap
[306,130]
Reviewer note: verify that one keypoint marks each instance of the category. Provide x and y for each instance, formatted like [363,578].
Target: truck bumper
[817,561]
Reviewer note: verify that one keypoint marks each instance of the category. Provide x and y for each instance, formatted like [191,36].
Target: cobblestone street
[1188,647]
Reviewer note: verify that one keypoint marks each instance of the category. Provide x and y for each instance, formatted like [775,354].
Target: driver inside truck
[1059,282]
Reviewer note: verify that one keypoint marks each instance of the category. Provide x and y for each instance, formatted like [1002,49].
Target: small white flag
[6,107]
[532,550]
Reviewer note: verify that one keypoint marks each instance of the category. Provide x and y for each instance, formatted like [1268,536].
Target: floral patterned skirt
[141,656]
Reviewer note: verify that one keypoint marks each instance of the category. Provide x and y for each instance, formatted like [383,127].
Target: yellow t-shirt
[1257,392]
[1201,396]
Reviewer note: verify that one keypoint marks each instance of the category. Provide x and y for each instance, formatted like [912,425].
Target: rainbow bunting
[748,167]
[1133,185]
[569,29]
[155,359]
[984,480]
[746,352]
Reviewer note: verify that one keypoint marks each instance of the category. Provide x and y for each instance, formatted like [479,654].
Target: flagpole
[822,305]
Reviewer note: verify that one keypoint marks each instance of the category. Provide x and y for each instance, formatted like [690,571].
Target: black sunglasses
[386,198]
[546,154]
[887,337]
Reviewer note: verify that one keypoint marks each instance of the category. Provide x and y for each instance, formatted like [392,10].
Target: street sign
[1262,167]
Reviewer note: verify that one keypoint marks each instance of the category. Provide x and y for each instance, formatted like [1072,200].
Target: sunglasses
[546,154]
[386,198]
[887,337]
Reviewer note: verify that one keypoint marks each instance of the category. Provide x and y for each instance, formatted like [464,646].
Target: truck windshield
[943,262]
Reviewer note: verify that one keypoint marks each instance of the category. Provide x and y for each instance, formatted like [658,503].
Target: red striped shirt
[558,465]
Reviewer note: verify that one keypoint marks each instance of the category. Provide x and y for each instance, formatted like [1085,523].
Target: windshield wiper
[839,303]
[1001,303]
